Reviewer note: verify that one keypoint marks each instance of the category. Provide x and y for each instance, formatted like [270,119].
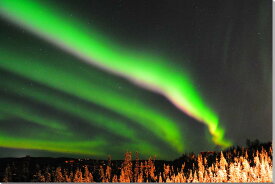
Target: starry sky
[94,78]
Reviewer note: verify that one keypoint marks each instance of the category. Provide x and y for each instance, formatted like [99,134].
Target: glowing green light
[147,71]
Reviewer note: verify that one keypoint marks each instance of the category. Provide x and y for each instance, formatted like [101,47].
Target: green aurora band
[88,45]
[98,94]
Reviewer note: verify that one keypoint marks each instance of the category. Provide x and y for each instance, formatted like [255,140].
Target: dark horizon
[204,168]
[251,143]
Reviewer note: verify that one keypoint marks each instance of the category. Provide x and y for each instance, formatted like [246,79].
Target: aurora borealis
[93,95]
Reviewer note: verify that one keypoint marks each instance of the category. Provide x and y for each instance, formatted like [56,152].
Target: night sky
[94,78]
